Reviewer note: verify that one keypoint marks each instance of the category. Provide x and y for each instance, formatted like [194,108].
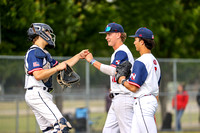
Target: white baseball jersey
[120,55]
[146,76]
[37,59]
[120,114]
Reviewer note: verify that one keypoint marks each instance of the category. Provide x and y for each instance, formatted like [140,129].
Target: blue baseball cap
[113,28]
[143,33]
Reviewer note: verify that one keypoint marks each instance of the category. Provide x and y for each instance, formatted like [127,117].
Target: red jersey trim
[132,83]
[55,63]
[36,69]
[113,65]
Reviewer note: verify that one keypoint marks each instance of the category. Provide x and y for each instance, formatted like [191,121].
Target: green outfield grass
[27,123]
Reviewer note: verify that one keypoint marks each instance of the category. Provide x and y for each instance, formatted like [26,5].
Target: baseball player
[120,114]
[39,68]
[144,82]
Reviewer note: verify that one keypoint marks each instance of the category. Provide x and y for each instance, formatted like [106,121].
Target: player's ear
[119,35]
[142,42]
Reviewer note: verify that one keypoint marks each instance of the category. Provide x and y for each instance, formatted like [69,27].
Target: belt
[44,88]
[112,95]
[142,96]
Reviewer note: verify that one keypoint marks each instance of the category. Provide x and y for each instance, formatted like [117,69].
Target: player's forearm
[45,73]
[72,61]
[97,64]
[130,87]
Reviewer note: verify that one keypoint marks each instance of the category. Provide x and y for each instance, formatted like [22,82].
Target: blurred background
[76,23]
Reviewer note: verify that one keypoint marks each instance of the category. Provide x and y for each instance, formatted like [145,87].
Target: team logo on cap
[107,28]
[133,75]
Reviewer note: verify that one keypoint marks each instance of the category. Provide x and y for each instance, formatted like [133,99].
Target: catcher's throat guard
[67,77]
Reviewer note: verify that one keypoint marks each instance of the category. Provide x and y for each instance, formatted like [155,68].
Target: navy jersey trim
[159,81]
[143,116]
[47,106]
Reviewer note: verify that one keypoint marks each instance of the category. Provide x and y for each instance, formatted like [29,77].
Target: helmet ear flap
[31,34]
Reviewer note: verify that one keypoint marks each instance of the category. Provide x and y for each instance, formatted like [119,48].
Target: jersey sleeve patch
[120,56]
[139,74]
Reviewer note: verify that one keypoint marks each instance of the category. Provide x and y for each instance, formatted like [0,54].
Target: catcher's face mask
[40,29]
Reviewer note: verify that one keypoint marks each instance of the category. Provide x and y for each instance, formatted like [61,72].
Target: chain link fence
[16,117]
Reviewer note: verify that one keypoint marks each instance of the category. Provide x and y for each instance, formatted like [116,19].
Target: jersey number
[113,79]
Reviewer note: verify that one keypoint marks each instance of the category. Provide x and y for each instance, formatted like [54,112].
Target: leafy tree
[77,23]
[97,16]
[16,17]
[174,23]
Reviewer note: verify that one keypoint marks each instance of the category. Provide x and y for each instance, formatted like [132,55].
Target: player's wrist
[56,69]
[92,61]
[79,55]
[123,81]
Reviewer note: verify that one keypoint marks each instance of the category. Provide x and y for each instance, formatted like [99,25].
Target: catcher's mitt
[66,78]
[123,69]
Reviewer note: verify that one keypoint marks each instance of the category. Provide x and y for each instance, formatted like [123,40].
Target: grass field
[25,122]
[28,124]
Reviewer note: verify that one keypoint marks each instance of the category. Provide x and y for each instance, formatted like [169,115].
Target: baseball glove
[123,69]
[67,77]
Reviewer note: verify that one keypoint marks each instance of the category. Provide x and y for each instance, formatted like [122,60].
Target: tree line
[76,23]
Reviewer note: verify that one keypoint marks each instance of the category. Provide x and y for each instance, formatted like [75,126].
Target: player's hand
[61,66]
[89,57]
[83,53]
[121,78]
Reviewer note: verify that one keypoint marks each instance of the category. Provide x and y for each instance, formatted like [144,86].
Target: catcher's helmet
[39,29]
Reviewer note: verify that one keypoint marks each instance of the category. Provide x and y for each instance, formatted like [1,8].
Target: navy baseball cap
[143,33]
[113,28]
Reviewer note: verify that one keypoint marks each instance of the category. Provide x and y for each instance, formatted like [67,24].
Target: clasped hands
[122,70]
[85,54]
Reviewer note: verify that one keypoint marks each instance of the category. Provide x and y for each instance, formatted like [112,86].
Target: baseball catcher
[67,77]
[39,69]
[123,69]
